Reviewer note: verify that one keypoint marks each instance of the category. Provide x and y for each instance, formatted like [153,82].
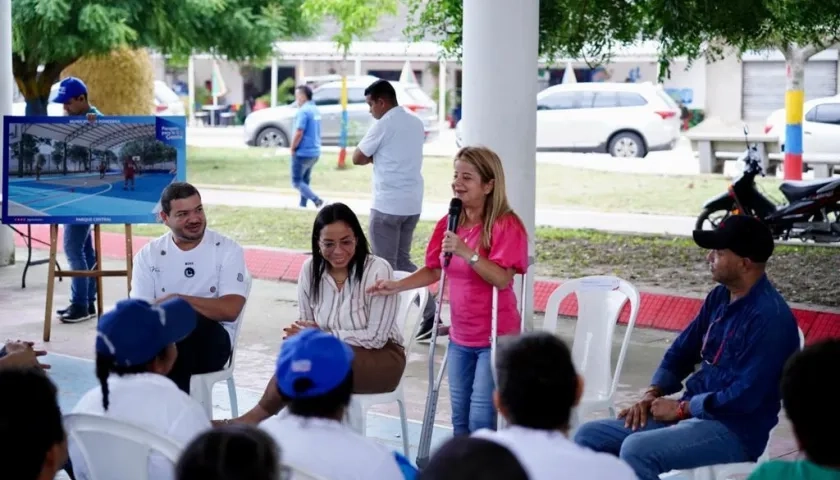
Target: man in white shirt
[537,389]
[315,379]
[394,145]
[135,348]
[205,268]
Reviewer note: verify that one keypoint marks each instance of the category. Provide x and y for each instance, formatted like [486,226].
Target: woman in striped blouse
[331,296]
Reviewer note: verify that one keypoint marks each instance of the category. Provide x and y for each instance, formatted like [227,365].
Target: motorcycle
[812,211]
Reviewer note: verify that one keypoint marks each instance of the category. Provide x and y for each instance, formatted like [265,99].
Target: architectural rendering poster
[89,169]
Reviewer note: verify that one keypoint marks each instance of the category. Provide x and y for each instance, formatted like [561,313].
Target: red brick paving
[657,311]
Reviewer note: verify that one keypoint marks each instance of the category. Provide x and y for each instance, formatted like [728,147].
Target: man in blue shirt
[78,243]
[306,145]
[742,337]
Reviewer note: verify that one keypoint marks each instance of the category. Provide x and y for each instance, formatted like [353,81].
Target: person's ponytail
[104,366]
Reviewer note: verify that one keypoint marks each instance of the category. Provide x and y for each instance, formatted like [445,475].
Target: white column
[7,239]
[300,72]
[191,88]
[499,96]
[442,95]
[357,67]
[273,81]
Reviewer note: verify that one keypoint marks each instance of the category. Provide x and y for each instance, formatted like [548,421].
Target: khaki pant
[374,371]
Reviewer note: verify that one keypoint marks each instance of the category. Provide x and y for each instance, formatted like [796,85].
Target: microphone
[454,214]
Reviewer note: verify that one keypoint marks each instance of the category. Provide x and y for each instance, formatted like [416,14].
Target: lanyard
[722,343]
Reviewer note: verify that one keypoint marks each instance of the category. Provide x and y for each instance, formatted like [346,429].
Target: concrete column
[273,81]
[7,239]
[191,88]
[357,67]
[442,95]
[500,97]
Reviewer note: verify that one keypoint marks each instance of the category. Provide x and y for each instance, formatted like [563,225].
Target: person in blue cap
[135,349]
[78,242]
[315,379]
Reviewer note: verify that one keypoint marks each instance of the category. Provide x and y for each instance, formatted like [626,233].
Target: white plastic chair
[727,470]
[408,313]
[113,448]
[600,301]
[297,473]
[201,386]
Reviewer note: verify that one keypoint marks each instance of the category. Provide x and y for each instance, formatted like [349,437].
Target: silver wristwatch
[473,260]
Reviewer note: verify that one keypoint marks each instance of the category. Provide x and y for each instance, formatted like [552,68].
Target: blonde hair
[489,168]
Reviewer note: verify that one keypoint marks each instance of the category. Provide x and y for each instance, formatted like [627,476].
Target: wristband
[682,411]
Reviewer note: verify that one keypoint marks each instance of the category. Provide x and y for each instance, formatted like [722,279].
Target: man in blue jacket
[742,337]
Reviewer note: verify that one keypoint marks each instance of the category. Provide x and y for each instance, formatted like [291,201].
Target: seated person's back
[135,348]
[538,389]
[806,387]
[473,458]
[315,379]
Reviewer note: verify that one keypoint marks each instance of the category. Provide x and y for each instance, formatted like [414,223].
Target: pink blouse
[470,296]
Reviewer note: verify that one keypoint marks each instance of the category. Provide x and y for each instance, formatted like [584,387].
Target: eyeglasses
[327,247]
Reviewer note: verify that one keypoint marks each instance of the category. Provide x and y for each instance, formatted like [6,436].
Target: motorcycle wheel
[710,219]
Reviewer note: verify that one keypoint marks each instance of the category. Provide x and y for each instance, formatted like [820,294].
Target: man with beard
[205,268]
[741,339]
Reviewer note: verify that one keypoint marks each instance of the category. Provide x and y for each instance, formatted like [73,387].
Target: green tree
[49,35]
[694,29]
[355,20]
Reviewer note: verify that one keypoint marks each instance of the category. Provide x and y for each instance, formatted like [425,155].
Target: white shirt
[213,269]
[151,401]
[395,143]
[351,314]
[329,449]
[551,456]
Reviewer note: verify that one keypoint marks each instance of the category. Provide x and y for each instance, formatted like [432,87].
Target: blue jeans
[471,388]
[658,447]
[301,175]
[78,247]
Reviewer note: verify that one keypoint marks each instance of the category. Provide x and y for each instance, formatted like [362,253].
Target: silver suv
[273,127]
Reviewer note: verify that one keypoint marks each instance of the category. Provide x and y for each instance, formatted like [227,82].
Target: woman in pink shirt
[489,247]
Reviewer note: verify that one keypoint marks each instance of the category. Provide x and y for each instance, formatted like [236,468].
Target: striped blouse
[355,317]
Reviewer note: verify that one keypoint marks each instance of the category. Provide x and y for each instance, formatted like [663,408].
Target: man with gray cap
[741,339]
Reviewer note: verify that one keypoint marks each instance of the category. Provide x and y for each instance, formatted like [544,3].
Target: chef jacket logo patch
[189,272]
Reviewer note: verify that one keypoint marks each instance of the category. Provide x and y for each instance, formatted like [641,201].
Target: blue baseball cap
[314,355]
[134,332]
[69,88]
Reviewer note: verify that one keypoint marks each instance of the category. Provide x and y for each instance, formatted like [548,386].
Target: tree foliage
[355,18]
[55,33]
[693,28]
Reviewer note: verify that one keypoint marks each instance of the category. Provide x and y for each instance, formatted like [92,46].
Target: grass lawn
[557,185]
[674,263]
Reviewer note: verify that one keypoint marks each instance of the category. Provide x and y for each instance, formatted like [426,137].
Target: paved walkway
[549,217]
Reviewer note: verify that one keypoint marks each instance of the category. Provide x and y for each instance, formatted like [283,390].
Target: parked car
[820,125]
[273,127]
[165,103]
[622,119]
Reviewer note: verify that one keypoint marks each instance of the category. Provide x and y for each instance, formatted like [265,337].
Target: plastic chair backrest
[238,327]
[409,312]
[114,448]
[600,301]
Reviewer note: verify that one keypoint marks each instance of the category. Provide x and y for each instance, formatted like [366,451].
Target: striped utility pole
[794,101]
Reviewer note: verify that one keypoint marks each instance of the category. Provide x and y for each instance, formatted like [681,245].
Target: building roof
[97,136]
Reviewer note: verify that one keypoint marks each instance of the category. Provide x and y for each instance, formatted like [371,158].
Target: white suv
[820,125]
[622,119]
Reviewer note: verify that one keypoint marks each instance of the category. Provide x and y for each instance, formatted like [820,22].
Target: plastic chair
[113,448]
[408,313]
[201,386]
[600,301]
[726,470]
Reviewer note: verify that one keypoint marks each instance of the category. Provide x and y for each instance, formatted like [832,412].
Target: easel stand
[97,272]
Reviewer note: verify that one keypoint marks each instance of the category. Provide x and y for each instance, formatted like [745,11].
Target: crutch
[435,380]
[494,332]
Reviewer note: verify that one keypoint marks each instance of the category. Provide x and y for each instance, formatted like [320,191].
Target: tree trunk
[794,102]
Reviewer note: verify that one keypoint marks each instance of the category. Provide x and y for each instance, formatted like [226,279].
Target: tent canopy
[96,136]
